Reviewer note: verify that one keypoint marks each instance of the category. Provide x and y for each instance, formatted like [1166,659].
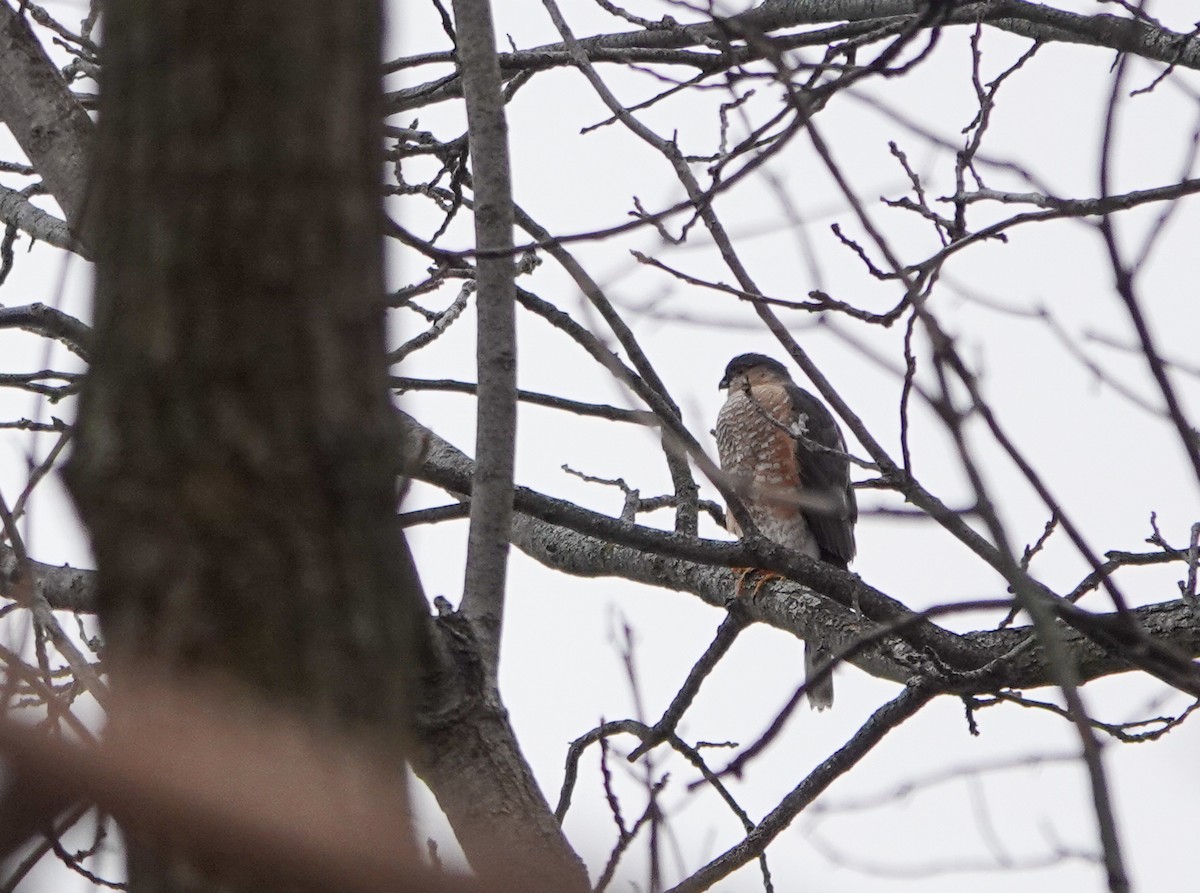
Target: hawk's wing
[825,477]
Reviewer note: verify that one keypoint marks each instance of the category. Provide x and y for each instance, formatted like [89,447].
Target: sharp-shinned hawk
[786,458]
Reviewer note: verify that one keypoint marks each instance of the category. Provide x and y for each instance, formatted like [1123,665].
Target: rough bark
[233,457]
[53,130]
[468,754]
[479,786]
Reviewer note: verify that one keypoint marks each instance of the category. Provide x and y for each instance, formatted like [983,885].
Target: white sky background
[1109,462]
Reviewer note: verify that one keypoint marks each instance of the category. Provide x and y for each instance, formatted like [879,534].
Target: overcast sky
[1109,460]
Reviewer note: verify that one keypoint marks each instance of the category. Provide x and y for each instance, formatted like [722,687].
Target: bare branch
[885,719]
[496,348]
[18,210]
[50,323]
[54,131]
[594,410]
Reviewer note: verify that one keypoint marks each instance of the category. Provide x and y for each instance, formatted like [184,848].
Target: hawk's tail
[820,695]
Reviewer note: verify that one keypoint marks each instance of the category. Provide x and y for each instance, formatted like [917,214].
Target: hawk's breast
[756,440]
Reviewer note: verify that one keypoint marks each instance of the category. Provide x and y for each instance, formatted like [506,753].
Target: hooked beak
[724,383]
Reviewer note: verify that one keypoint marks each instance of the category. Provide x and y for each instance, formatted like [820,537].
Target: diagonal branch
[888,717]
[52,128]
[16,209]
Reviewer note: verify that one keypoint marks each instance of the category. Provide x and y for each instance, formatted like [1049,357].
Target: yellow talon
[744,573]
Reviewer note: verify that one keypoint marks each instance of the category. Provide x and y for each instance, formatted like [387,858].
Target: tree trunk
[235,457]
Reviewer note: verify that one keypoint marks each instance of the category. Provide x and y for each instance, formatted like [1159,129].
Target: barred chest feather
[756,444]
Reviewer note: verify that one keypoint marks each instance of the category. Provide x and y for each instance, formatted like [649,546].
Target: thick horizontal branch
[598,50]
[580,542]
[1168,625]
[433,460]
[64,588]
[1033,20]
[784,604]
[577,541]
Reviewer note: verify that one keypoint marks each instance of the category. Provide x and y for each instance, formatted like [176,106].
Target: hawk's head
[753,368]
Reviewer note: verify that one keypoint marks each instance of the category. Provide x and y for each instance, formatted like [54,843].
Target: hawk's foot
[743,574]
